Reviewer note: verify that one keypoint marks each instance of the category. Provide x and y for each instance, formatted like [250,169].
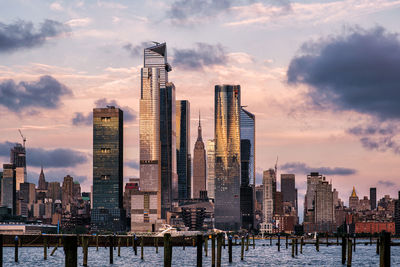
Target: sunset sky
[322,78]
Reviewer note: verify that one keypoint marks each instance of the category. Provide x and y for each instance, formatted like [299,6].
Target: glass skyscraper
[8,187]
[227,157]
[211,168]
[108,169]
[18,158]
[183,148]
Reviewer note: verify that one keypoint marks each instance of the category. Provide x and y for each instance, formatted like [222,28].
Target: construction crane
[23,137]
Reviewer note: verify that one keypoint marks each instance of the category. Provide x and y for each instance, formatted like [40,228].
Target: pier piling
[242,248]
[230,249]
[384,260]
[119,246]
[301,245]
[71,251]
[343,249]
[317,243]
[85,245]
[167,247]
[206,245]
[292,248]
[212,250]
[219,249]
[287,242]
[111,249]
[199,250]
[297,247]
[349,253]
[45,247]
[279,243]
[16,249]
[142,248]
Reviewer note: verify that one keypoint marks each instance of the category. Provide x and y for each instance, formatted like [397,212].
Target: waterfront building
[313,179]
[372,197]
[108,210]
[18,158]
[323,203]
[183,157]
[211,168]
[227,157]
[269,178]
[199,165]
[288,189]
[353,200]
[8,188]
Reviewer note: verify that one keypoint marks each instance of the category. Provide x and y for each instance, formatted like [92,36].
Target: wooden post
[354,242]
[16,248]
[85,245]
[292,248]
[157,245]
[254,243]
[119,246]
[184,242]
[370,239]
[236,240]
[1,250]
[343,249]
[327,239]
[385,250]
[279,242]
[377,245]
[247,243]
[45,247]
[135,245]
[270,240]
[199,250]
[349,253]
[167,247]
[142,248]
[301,245]
[71,251]
[242,248]
[317,243]
[127,241]
[287,242]
[223,240]
[194,241]
[97,242]
[337,240]
[212,250]
[230,249]
[111,249]
[219,249]
[206,245]
[297,248]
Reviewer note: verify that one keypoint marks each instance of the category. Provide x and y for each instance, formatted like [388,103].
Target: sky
[322,78]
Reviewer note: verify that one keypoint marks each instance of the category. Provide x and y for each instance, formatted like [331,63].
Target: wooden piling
[167,247]
[297,248]
[384,260]
[1,250]
[199,242]
[135,245]
[270,240]
[194,241]
[349,253]
[111,240]
[206,245]
[230,249]
[219,248]
[16,248]
[327,239]
[247,243]
[184,242]
[317,243]
[223,241]
[287,242]
[236,240]
[242,248]
[301,245]
[212,250]
[354,244]
[127,241]
[254,243]
[71,251]
[377,245]
[54,250]
[45,247]
[97,242]
[292,248]
[119,246]
[279,243]
[85,245]
[156,245]
[337,240]
[142,248]
[370,239]
[343,250]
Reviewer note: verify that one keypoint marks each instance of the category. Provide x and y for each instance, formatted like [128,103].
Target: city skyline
[305,137]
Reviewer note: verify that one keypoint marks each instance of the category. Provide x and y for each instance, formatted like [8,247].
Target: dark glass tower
[227,157]
[288,189]
[183,148]
[108,169]
[8,187]
[18,158]
[372,197]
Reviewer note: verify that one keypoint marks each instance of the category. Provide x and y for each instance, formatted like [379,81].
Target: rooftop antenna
[23,137]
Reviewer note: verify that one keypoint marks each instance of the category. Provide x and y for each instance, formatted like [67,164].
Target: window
[106,119]
[105,177]
[105,150]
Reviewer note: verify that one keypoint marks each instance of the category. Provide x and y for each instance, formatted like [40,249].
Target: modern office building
[248,132]
[313,179]
[210,150]
[8,188]
[288,189]
[372,197]
[199,165]
[18,158]
[246,190]
[27,193]
[108,210]
[183,148]
[227,157]
[323,203]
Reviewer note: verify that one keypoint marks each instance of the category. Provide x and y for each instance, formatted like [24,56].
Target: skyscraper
[199,164]
[8,188]
[155,57]
[312,180]
[183,148]
[18,158]
[227,157]
[108,168]
[269,178]
[211,168]
[288,189]
[372,197]
[353,200]
[397,215]
[42,184]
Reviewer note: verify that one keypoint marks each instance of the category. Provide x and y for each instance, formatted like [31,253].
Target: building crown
[353,194]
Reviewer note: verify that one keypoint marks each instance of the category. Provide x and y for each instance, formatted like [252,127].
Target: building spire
[353,194]
[199,137]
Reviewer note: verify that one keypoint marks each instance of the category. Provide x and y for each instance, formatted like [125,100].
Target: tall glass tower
[183,148]
[211,168]
[227,157]
[108,169]
[18,158]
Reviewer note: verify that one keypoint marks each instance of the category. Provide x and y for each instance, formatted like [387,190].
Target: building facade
[199,165]
[288,189]
[8,188]
[18,158]
[372,197]
[108,210]
[353,200]
[183,149]
[269,177]
[227,157]
[211,168]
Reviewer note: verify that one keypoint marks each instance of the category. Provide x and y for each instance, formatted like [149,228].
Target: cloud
[22,34]
[299,167]
[79,22]
[56,6]
[80,119]
[52,158]
[134,164]
[45,93]
[386,183]
[136,50]
[356,72]
[202,55]
[185,12]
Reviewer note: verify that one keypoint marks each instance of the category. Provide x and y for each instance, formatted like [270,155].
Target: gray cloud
[52,158]
[45,93]
[386,183]
[134,164]
[136,50]
[22,34]
[202,55]
[299,167]
[80,119]
[359,71]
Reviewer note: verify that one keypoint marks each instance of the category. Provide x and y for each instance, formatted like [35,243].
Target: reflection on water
[262,255]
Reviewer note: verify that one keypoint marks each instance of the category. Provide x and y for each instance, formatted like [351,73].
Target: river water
[262,255]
